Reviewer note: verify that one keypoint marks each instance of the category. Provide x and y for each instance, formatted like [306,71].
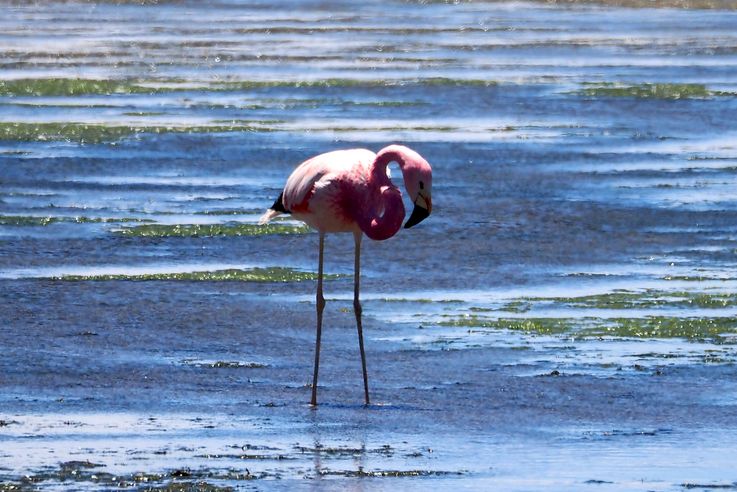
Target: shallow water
[564,320]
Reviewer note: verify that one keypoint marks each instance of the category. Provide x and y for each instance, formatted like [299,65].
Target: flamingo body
[318,191]
[350,191]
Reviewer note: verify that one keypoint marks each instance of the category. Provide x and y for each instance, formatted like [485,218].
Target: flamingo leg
[358,310]
[320,303]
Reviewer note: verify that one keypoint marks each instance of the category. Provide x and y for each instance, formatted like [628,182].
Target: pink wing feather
[316,189]
[319,172]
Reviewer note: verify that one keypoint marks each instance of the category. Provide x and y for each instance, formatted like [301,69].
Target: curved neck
[386,216]
[385,212]
[383,159]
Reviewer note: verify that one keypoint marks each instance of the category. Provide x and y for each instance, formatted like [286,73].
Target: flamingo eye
[422,185]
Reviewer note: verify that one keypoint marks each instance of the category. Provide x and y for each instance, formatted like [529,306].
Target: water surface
[564,320]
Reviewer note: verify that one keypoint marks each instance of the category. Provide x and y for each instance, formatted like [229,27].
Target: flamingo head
[418,181]
[417,175]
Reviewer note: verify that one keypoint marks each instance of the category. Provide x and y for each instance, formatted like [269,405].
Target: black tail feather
[278,205]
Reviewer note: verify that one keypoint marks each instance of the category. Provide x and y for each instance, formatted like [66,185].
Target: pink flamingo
[350,191]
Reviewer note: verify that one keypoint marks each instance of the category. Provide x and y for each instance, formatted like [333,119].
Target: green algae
[225,364]
[190,486]
[654,91]
[76,132]
[15,487]
[80,475]
[345,82]
[383,104]
[650,4]
[144,113]
[397,128]
[237,122]
[230,211]
[98,133]
[518,306]
[715,329]
[84,474]
[71,87]
[361,473]
[709,486]
[422,300]
[696,278]
[541,326]
[247,456]
[210,230]
[78,86]
[32,220]
[638,300]
[693,329]
[271,274]
[612,300]
[344,451]
[95,133]
[709,301]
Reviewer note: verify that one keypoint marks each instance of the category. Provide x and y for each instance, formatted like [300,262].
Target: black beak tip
[418,215]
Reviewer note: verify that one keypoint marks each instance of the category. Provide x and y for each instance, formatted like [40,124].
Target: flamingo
[350,191]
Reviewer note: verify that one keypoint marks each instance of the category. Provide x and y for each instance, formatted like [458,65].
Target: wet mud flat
[565,320]
[209,389]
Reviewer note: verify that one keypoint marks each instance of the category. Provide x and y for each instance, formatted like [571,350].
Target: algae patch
[85,474]
[345,82]
[230,211]
[712,486]
[694,329]
[361,473]
[542,326]
[270,274]
[640,300]
[32,220]
[422,300]
[344,451]
[98,133]
[653,91]
[715,329]
[77,86]
[71,87]
[221,364]
[518,306]
[209,230]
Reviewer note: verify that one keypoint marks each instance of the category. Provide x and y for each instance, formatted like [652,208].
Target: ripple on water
[578,266]
[171,272]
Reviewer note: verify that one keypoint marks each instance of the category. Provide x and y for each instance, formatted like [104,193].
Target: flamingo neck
[382,161]
[385,212]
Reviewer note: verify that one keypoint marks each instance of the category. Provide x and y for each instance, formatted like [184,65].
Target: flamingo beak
[423,207]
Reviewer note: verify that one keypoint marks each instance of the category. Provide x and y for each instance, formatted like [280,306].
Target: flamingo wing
[319,172]
[320,190]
